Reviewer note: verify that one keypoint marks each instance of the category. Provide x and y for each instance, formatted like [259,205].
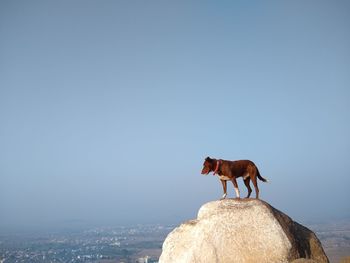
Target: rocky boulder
[241,230]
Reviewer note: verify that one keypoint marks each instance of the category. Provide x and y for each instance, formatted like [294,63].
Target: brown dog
[230,170]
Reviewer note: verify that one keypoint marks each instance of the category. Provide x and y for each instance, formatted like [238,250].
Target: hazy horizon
[108,109]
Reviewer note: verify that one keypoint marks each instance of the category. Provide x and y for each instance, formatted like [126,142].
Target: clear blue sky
[108,108]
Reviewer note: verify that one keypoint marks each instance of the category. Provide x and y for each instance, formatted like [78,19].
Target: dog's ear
[207,159]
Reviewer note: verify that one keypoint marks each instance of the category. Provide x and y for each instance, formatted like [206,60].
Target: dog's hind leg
[255,183]
[246,182]
[224,187]
[251,169]
[235,185]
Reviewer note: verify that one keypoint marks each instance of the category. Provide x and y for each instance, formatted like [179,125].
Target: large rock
[241,230]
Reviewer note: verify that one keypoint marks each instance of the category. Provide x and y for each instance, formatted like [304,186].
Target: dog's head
[208,165]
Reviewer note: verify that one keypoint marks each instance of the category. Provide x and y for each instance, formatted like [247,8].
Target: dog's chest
[223,177]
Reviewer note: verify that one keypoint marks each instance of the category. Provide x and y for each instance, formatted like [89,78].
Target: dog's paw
[223,197]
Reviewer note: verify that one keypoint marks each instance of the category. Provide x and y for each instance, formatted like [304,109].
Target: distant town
[141,244]
[136,244]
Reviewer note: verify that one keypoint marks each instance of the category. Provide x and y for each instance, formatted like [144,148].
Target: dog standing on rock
[230,170]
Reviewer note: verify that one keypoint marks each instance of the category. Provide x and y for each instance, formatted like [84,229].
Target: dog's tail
[260,177]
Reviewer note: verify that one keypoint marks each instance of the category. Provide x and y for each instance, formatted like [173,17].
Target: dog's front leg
[224,186]
[235,185]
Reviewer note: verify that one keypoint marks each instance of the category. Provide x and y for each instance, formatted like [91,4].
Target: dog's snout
[205,170]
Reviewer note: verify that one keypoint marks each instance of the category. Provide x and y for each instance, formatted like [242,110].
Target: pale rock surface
[242,231]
